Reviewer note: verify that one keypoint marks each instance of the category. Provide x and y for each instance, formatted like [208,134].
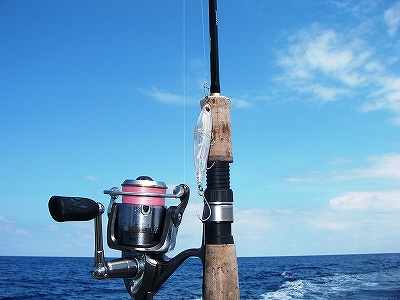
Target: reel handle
[73,208]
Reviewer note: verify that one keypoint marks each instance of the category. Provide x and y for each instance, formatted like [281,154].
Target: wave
[363,286]
[360,277]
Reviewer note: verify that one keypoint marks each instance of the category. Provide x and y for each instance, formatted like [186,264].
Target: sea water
[368,276]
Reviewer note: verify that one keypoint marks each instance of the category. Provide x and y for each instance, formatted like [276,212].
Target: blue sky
[93,93]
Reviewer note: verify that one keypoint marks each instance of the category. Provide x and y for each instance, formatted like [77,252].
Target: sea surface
[367,276]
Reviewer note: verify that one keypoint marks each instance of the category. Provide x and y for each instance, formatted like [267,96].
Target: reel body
[140,226]
[141,222]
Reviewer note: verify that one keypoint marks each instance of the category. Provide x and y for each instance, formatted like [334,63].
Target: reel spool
[140,218]
[142,222]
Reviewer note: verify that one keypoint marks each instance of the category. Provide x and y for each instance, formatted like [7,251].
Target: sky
[96,92]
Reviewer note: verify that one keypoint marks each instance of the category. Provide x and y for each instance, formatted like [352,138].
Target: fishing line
[184,87]
[205,85]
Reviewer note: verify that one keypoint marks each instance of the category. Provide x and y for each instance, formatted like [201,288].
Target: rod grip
[73,208]
[220,273]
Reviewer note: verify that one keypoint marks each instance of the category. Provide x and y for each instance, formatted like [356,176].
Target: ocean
[362,277]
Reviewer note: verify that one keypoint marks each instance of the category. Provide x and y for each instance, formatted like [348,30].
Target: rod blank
[214,60]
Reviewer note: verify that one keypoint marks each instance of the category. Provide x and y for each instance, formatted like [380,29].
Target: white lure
[201,144]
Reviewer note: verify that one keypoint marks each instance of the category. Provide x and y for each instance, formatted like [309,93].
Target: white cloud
[392,18]
[91,178]
[52,228]
[327,230]
[386,166]
[240,103]
[329,65]
[325,93]
[339,160]
[168,97]
[353,230]
[362,200]
[323,223]
[251,224]
[386,97]
[18,231]
[380,166]
[299,179]
[8,227]
[171,98]
[359,9]
[316,51]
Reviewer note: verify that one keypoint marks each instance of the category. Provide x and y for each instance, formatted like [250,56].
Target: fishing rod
[145,230]
[220,271]
[214,57]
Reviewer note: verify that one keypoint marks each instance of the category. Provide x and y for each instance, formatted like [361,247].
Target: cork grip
[221,280]
[221,148]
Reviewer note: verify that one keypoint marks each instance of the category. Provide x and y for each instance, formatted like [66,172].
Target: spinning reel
[140,226]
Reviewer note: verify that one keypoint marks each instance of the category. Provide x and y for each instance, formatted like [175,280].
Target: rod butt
[221,279]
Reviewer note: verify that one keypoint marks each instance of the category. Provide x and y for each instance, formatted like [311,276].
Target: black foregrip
[72,208]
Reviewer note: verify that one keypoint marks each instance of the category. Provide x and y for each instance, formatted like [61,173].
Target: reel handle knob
[73,208]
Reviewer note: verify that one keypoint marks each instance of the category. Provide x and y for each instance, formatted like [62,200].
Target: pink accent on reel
[140,200]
